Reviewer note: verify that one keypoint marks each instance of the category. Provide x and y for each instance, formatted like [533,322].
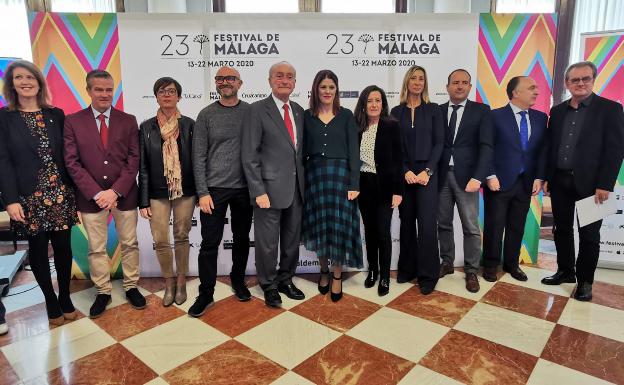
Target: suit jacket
[152,181]
[472,149]
[388,159]
[271,162]
[19,161]
[598,154]
[509,158]
[95,168]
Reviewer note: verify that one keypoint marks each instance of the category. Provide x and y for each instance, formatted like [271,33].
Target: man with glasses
[220,182]
[586,137]
[273,163]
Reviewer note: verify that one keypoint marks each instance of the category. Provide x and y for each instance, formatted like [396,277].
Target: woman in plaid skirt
[331,224]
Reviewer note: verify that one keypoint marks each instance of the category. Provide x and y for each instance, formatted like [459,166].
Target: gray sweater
[217,147]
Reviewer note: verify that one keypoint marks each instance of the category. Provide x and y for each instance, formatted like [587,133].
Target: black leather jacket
[152,182]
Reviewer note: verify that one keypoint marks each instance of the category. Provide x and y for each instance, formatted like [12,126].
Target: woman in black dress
[381,181]
[422,132]
[35,185]
[331,224]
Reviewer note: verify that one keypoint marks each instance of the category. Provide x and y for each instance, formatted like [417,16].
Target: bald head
[228,81]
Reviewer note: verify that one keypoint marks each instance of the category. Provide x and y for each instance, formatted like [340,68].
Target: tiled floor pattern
[509,333]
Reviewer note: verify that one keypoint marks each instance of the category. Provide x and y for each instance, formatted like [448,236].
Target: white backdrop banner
[361,50]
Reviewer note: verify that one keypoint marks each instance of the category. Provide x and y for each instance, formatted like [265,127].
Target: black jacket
[422,144]
[472,149]
[388,159]
[598,154]
[152,181]
[19,161]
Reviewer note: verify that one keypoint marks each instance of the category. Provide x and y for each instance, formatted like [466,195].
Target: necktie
[288,123]
[453,121]
[103,129]
[524,130]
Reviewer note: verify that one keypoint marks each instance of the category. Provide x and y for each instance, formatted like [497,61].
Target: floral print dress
[52,206]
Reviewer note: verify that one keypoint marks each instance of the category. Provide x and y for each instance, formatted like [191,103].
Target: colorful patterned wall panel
[512,45]
[4,63]
[66,46]
[607,52]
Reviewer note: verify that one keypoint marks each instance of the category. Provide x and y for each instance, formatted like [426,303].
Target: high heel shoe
[371,278]
[323,289]
[335,297]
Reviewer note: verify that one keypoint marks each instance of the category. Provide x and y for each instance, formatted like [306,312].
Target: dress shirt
[280,108]
[572,123]
[97,113]
[516,110]
[460,113]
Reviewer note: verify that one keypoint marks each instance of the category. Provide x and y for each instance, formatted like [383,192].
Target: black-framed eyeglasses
[167,91]
[229,79]
[584,79]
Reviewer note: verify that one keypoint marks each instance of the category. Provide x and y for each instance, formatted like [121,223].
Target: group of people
[302,176]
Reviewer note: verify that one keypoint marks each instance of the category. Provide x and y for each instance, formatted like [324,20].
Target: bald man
[220,183]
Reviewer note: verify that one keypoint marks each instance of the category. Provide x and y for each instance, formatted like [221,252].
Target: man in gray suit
[273,164]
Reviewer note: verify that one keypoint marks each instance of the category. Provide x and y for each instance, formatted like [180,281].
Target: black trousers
[505,212]
[563,196]
[241,214]
[377,218]
[420,256]
[40,265]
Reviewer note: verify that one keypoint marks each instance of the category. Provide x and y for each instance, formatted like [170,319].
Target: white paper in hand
[589,212]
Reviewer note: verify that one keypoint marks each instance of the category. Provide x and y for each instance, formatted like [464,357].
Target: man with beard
[220,183]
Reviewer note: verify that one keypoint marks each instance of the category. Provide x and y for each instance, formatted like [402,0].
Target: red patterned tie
[288,123]
[103,129]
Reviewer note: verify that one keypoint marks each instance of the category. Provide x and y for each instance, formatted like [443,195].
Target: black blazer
[423,146]
[388,159]
[152,181]
[472,150]
[600,146]
[19,161]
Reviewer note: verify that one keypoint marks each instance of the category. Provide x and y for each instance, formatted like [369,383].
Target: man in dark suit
[102,157]
[516,174]
[586,145]
[273,165]
[464,165]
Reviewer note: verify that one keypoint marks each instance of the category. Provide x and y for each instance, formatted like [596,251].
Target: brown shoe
[472,282]
[489,274]
[445,269]
[58,321]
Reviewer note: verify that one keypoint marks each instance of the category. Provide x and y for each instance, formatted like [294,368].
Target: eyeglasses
[167,91]
[229,79]
[585,79]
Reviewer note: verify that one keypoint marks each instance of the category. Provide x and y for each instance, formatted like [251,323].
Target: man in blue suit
[517,172]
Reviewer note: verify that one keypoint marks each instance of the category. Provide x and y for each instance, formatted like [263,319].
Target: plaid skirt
[331,222]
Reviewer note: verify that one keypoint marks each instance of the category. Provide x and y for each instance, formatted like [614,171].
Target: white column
[166,6]
[451,6]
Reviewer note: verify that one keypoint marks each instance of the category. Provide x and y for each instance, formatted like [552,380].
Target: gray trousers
[468,208]
[273,227]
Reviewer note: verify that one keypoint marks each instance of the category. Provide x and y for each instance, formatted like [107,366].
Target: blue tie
[524,130]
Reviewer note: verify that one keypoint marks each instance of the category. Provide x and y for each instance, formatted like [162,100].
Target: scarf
[170,131]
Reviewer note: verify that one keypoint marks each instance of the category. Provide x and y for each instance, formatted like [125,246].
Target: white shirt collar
[516,109]
[463,104]
[97,113]
[280,103]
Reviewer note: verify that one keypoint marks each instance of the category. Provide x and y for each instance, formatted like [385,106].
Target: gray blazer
[271,162]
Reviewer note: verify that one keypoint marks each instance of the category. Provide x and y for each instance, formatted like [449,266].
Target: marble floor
[508,333]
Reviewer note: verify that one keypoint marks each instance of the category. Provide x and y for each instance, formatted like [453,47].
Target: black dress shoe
[241,291]
[516,273]
[384,287]
[291,291]
[99,305]
[583,291]
[323,289]
[272,298]
[371,278]
[489,274]
[335,297]
[426,289]
[402,277]
[202,302]
[135,298]
[559,277]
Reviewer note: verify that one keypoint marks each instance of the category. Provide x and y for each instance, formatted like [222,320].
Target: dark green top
[337,139]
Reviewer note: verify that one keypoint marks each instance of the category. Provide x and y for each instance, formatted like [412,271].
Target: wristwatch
[429,171]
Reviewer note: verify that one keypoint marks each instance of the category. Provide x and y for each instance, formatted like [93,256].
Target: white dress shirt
[280,108]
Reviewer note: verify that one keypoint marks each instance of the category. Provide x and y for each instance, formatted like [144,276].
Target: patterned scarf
[170,131]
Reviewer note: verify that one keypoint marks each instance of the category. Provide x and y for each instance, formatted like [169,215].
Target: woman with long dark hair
[331,224]
[35,185]
[381,181]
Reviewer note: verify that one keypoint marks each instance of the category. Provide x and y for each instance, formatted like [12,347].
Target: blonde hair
[404,91]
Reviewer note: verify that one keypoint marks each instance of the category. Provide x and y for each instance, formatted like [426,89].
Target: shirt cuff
[491,177]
